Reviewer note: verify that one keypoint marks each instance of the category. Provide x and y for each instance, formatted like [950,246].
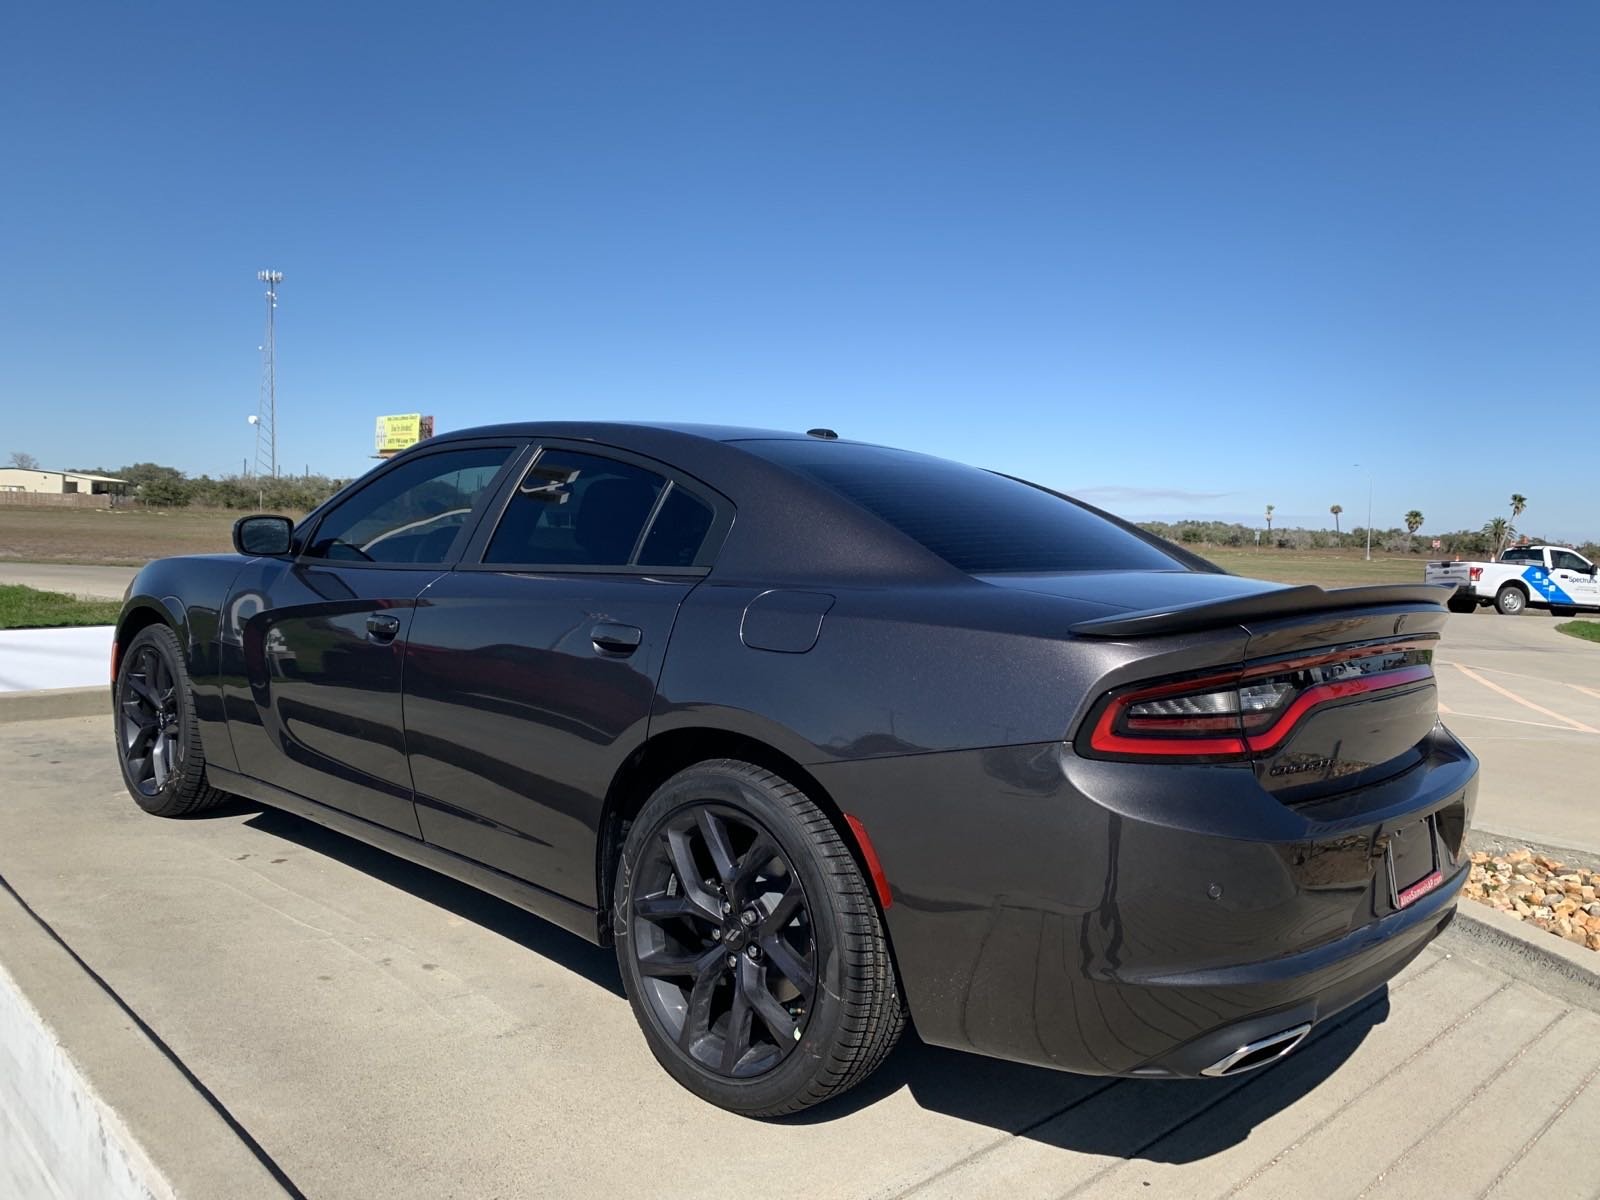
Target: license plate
[1413,863]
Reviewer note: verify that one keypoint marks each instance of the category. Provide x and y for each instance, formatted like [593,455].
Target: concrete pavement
[380,1030]
[1527,700]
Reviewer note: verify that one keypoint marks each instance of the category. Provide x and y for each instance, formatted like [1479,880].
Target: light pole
[1368,470]
[266,419]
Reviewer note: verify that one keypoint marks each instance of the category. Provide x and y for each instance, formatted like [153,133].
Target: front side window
[583,510]
[1567,560]
[411,514]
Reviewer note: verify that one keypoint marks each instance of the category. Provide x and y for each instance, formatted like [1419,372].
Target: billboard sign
[398,432]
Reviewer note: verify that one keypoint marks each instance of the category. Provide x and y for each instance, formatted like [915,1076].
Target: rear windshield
[976,521]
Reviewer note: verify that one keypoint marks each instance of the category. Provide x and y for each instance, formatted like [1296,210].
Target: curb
[1570,970]
[55,703]
[92,1103]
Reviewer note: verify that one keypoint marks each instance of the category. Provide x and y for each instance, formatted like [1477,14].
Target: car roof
[598,429]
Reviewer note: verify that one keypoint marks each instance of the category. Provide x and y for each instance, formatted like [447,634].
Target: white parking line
[1510,695]
[1514,721]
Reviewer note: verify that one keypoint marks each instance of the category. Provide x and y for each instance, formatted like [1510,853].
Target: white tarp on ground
[33,659]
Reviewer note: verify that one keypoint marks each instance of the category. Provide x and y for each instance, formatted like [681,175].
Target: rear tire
[1511,600]
[1461,604]
[749,943]
[158,737]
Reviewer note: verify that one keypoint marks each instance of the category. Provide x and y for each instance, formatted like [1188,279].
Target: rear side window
[976,521]
[675,536]
[584,510]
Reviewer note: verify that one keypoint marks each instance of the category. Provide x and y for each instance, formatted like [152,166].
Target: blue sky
[1183,259]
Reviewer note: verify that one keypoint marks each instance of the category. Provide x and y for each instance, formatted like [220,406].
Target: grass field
[27,608]
[1331,568]
[1589,631]
[127,537]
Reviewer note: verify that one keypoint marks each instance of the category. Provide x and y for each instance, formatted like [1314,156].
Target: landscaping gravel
[1541,891]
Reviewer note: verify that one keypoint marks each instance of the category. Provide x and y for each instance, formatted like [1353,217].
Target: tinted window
[412,513]
[676,534]
[1567,560]
[977,521]
[576,510]
[1522,556]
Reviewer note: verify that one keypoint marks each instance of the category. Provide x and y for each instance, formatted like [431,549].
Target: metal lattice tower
[266,421]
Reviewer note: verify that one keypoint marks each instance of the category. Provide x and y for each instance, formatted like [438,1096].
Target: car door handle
[612,638]
[382,628]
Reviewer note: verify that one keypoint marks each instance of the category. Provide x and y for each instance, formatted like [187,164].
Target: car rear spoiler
[1258,606]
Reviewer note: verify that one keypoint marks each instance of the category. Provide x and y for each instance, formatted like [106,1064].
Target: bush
[166,487]
[165,493]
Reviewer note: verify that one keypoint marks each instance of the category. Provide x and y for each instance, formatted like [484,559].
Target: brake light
[1248,711]
[1474,573]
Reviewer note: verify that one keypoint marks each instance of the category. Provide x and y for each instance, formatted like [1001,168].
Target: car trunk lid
[1373,668]
[1334,688]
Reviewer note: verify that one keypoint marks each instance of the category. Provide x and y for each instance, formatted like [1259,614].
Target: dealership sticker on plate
[1421,888]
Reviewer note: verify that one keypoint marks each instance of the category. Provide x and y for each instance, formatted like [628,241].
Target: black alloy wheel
[152,737]
[158,738]
[722,937]
[749,942]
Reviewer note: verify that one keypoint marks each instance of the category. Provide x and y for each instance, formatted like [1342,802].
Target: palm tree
[1336,509]
[1518,503]
[1497,530]
[1413,522]
[1270,507]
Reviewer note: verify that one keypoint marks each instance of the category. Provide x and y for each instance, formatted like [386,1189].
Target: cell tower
[266,418]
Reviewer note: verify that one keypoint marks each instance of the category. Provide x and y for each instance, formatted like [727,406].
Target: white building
[60,483]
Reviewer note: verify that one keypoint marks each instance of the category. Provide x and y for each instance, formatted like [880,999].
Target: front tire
[1510,600]
[749,944]
[158,737]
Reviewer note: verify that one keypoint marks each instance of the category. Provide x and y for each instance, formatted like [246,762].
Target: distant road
[96,583]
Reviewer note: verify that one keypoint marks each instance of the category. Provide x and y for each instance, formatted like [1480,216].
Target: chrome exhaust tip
[1258,1054]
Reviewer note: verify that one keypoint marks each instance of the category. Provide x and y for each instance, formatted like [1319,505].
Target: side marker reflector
[880,881]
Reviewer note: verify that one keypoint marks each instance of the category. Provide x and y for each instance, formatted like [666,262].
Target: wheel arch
[138,614]
[1520,585]
[665,754]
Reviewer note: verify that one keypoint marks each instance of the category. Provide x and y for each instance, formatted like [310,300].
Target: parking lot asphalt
[1527,700]
[380,1030]
[92,583]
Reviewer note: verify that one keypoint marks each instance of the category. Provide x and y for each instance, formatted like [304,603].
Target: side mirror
[263,536]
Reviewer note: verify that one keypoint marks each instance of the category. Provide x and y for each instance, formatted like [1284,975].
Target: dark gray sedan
[824,736]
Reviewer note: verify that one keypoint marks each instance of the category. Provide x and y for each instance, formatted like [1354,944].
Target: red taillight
[1474,573]
[116,655]
[1246,711]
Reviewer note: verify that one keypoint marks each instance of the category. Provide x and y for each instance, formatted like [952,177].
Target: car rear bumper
[1114,919]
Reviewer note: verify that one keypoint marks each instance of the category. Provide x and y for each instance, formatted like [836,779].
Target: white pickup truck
[1552,577]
